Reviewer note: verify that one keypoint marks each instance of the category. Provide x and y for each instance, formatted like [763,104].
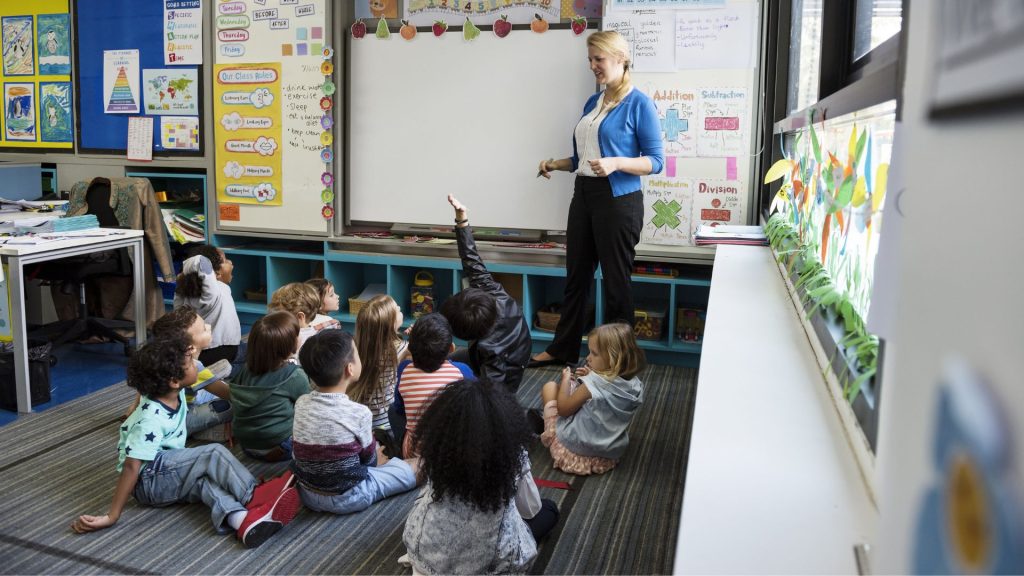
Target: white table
[772,486]
[17,256]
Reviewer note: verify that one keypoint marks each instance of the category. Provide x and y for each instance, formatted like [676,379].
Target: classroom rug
[60,463]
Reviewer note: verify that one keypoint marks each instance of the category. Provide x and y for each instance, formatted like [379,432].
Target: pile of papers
[728,234]
[184,225]
[65,224]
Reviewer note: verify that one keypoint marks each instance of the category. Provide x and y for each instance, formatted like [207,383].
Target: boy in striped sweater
[338,464]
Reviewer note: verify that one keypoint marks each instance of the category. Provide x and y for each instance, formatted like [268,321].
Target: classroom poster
[35,39]
[55,116]
[376,9]
[248,136]
[53,36]
[677,113]
[183,32]
[179,132]
[425,12]
[171,91]
[651,38]
[121,93]
[722,123]
[585,8]
[255,31]
[668,206]
[140,138]
[721,39]
[19,111]
[717,202]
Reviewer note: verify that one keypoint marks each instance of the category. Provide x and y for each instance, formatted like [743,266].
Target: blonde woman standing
[617,141]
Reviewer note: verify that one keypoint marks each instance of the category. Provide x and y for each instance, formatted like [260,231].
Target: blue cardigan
[631,129]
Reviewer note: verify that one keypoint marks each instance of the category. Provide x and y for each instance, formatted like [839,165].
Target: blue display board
[118,25]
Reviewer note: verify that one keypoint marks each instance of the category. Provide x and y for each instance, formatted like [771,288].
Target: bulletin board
[274,89]
[35,78]
[107,25]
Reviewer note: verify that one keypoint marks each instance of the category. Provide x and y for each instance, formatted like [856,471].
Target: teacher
[617,141]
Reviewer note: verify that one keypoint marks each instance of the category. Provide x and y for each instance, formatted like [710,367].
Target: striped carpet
[60,463]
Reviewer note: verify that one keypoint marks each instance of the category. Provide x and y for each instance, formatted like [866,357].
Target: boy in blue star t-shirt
[157,469]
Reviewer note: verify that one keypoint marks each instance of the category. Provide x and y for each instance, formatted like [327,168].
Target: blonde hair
[612,43]
[375,340]
[616,344]
[297,297]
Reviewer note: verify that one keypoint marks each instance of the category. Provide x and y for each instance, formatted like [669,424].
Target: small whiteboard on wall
[437,116]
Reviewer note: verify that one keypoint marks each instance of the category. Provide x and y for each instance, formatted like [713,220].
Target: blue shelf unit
[184,188]
[262,266]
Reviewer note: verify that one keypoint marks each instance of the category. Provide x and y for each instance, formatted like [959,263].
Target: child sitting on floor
[486,316]
[587,415]
[329,302]
[203,285]
[302,300]
[469,518]
[265,391]
[336,460]
[158,470]
[381,349]
[430,343]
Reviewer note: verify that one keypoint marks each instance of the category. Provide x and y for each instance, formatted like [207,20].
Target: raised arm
[472,265]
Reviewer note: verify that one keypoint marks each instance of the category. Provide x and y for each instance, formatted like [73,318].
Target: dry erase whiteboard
[434,116]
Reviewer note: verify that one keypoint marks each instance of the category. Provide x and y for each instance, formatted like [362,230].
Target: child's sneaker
[269,491]
[264,519]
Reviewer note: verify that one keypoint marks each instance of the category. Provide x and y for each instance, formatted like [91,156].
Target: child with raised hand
[587,415]
[430,343]
[381,348]
[264,393]
[203,285]
[469,518]
[486,316]
[158,470]
[336,460]
[329,302]
[303,301]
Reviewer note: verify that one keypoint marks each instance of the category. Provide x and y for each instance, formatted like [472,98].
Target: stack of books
[65,224]
[729,234]
[184,225]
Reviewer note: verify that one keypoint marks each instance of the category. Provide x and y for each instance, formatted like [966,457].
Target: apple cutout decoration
[407,30]
[382,29]
[502,26]
[358,29]
[469,30]
[539,24]
[579,24]
[439,27]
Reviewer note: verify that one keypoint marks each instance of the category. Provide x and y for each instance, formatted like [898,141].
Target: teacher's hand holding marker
[617,140]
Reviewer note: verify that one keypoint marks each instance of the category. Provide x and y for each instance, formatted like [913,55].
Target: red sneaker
[265,519]
[269,491]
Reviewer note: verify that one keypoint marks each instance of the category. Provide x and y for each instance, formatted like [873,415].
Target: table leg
[139,291]
[16,282]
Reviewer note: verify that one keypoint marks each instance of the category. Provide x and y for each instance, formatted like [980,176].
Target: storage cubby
[402,280]
[686,332]
[283,270]
[249,282]
[350,279]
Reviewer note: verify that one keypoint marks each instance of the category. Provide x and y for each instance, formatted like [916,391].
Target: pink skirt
[565,460]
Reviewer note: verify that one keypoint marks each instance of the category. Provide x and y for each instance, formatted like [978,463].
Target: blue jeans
[208,473]
[261,454]
[202,416]
[392,478]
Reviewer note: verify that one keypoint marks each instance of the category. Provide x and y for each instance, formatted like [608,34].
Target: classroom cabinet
[263,266]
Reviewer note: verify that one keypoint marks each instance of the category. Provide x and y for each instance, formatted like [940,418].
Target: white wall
[961,286]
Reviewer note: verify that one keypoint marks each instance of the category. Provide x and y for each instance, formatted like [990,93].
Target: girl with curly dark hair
[469,519]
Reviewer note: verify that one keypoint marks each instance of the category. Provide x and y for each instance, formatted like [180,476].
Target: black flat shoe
[541,363]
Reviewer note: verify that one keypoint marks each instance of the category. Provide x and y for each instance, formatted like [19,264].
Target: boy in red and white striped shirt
[430,343]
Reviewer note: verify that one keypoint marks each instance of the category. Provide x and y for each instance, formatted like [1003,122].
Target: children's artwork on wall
[585,8]
[19,111]
[121,81]
[376,8]
[54,44]
[425,12]
[722,122]
[171,91]
[667,207]
[55,116]
[19,59]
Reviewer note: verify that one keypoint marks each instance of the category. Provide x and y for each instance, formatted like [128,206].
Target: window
[804,54]
[876,22]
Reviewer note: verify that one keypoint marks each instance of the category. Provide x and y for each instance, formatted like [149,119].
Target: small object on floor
[542,483]
[535,418]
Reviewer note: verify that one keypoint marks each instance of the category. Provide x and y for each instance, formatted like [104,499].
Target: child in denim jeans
[336,459]
[158,470]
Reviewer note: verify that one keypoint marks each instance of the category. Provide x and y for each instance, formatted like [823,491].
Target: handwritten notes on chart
[675,207]
[301,128]
[246,107]
[722,122]
[716,39]
[650,36]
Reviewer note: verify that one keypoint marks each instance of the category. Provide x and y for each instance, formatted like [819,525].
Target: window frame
[845,86]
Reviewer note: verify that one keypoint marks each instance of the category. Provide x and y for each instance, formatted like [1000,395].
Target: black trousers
[545,520]
[603,230]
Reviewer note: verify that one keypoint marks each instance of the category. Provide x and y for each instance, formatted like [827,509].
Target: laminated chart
[668,204]
[677,113]
[717,202]
[722,122]
[248,136]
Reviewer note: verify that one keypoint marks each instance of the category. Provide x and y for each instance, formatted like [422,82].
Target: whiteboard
[437,116]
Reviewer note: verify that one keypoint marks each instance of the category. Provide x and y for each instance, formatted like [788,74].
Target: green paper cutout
[666,214]
[329,88]
[469,30]
[382,29]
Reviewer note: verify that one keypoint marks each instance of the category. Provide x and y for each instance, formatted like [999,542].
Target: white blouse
[587,146]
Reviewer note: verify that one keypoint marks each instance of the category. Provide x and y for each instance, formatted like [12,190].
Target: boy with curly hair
[157,469]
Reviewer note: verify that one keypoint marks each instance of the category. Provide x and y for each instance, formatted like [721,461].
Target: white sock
[236,518]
